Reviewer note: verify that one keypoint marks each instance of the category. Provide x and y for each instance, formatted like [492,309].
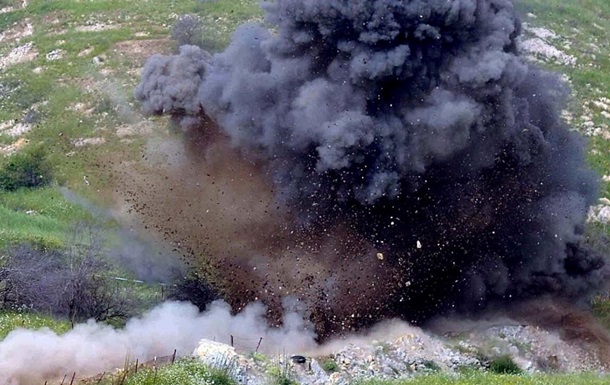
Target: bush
[330,365]
[72,283]
[188,30]
[431,366]
[28,168]
[194,289]
[504,365]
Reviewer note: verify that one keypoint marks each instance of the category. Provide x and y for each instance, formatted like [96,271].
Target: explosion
[374,159]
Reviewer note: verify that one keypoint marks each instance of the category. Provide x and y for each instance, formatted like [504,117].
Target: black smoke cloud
[414,124]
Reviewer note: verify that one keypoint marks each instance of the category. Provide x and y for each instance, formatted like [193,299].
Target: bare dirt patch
[21,54]
[6,150]
[81,142]
[83,108]
[86,52]
[19,129]
[17,32]
[96,27]
[139,129]
[53,18]
[540,44]
[140,50]
[12,7]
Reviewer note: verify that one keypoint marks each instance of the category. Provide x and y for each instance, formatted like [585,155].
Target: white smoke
[33,356]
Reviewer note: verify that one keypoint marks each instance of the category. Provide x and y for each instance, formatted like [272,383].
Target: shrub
[504,365]
[72,282]
[188,30]
[330,365]
[282,379]
[28,168]
[431,366]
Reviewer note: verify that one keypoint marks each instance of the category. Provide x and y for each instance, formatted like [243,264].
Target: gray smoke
[148,260]
[93,348]
[416,125]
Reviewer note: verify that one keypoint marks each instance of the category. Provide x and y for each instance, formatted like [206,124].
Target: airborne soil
[67,79]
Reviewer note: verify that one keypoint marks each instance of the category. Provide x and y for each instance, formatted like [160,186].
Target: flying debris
[357,113]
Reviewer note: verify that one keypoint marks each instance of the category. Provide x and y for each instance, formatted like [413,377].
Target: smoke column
[408,130]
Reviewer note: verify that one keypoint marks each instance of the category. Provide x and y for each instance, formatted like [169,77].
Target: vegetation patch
[281,374]
[186,371]
[504,365]
[26,319]
[73,283]
[496,379]
[37,216]
[25,169]
[330,365]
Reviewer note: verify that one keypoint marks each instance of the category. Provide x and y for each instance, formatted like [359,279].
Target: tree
[194,288]
[73,282]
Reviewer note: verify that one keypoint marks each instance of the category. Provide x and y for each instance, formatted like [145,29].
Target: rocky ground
[408,352]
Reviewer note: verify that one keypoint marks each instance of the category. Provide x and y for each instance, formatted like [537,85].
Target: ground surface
[68,69]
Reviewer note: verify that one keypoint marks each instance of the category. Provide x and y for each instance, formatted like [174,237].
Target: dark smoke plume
[412,129]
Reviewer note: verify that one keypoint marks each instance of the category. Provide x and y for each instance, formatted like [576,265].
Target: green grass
[600,160]
[330,365]
[184,372]
[40,216]
[60,84]
[10,18]
[497,379]
[601,309]
[76,79]
[583,31]
[11,320]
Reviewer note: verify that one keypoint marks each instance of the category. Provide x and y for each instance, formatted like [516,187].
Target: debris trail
[414,127]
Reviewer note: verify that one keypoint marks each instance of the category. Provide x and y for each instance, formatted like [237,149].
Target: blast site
[386,184]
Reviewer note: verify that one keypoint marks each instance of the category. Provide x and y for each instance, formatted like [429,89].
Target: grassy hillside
[10,320]
[68,69]
[582,31]
[67,75]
